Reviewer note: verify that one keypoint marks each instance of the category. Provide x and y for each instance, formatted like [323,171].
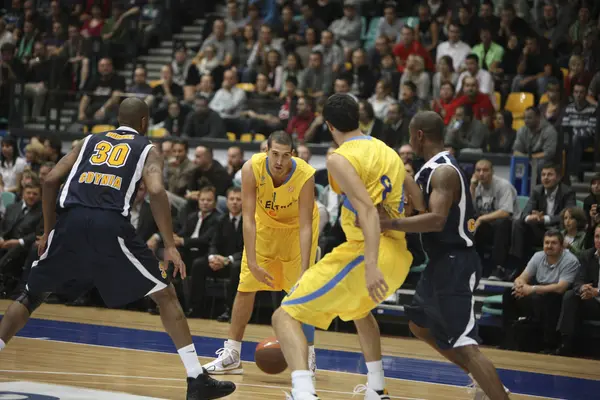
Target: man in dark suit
[395,131]
[198,229]
[583,301]
[224,257]
[541,213]
[17,233]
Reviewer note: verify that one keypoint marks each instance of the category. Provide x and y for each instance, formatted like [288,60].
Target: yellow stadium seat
[259,137]
[246,137]
[231,136]
[246,87]
[102,128]
[498,100]
[565,72]
[590,150]
[155,83]
[518,102]
[158,133]
[348,66]
[544,98]
[518,123]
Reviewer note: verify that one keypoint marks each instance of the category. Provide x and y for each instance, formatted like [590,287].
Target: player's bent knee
[164,295]
[31,301]
[278,316]
[417,330]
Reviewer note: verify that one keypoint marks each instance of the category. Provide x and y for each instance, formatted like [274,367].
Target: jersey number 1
[114,156]
[387,188]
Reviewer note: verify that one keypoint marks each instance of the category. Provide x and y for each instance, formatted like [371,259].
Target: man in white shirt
[454,47]
[229,102]
[483,77]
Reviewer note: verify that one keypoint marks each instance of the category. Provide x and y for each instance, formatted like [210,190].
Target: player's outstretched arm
[52,184]
[306,204]
[445,185]
[346,177]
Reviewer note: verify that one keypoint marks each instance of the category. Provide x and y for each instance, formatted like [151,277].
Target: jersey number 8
[387,189]
[114,156]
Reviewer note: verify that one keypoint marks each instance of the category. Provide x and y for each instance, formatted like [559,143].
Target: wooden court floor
[159,374]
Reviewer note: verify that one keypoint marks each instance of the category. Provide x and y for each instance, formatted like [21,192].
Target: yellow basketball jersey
[382,172]
[277,207]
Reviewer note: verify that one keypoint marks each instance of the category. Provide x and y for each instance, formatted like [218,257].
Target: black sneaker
[206,388]
[499,274]
[225,317]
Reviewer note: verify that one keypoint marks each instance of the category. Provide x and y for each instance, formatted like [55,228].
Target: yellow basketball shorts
[278,252]
[336,286]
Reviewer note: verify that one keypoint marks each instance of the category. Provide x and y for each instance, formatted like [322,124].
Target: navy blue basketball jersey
[107,172]
[460,225]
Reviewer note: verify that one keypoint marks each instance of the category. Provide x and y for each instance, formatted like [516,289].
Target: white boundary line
[241,384]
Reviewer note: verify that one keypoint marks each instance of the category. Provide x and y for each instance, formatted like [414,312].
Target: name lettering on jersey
[272,207]
[118,136]
[99,179]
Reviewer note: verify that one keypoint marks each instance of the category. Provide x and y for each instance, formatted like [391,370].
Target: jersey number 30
[114,156]
[387,189]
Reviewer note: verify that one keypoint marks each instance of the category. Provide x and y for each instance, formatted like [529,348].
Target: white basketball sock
[233,345]
[375,377]
[2,344]
[190,360]
[302,382]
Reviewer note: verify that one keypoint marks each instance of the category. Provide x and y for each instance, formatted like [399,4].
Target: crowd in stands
[515,77]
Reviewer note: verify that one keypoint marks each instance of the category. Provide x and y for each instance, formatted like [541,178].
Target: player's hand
[261,275]
[41,242]
[376,284]
[172,255]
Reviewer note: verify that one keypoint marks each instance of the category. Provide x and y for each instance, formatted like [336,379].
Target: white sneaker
[478,393]
[312,361]
[296,395]
[371,394]
[227,363]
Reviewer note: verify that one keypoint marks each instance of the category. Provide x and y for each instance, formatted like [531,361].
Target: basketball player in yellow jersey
[360,273]
[281,231]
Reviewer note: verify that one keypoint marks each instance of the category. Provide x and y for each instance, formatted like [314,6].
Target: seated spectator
[34,155]
[390,25]
[483,77]
[406,153]
[115,32]
[332,54]
[427,30]
[223,259]
[206,87]
[576,75]
[234,23]
[209,62]
[454,47]
[551,29]
[163,94]
[150,22]
[253,19]
[554,109]
[53,149]
[381,100]
[11,165]
[6,36]
[590,207]
[506,71]
[469,24]
[573,223]
[368,124]
[179,169]
[465,133]
[511,24]
[287,28]
[389,72]
[56,39]
[409,46]
[443,105]
[304,153]
[25,43]
[261,91]
[235,161]
[348,29]
[444,74]
[480,103]
[245,46]
[594,89]
[537,293]
[229,102]
[298,125]
[361,78]
[261,48]
[534,69]
[273,70]
[316,79]
[77,51]
[293,69]
[207,172]
[383,47]
[38,77]
[224,45]
[185,72]
[580,127]
[537,138]
[93,26]
[309,21]
[395,130]
[541,213]
[502,138]
[495,203]
[139,87]
[415,73]
[203,122]
[583,25]
[318,132]
[489,54]
[582,302]
[175,121]
[409,101]
[310,42]
[102,94]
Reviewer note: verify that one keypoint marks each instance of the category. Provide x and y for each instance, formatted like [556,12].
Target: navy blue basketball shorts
[443,301]
[94,247]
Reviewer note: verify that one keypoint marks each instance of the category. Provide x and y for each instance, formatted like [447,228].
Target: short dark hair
[209,188]
[473,57]
[553,232]
[48,164]
[182,142]
[553,166]
[411,85]
[281,137]
[577,214]
[468,110]
[34,184]
[535,110]
[580,83]
[368,109]
[292,79]
[431,124]
[233,189]
[341,111]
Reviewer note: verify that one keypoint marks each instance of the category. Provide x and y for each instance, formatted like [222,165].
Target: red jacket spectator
[481,104]
[410,46]
[445,108]
[300,123]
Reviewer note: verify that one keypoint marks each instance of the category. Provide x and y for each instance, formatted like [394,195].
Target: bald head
[133,113]
[430,123]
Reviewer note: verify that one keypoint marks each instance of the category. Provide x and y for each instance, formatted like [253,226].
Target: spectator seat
[579,204]
[410,21]
[8,198]
[522,201]
[488,305]
[498,98]
[246,137]
[246,87]
[231,136]
[158,133]
[565,72]
[544,98]
[372,32]
[155,83]
[259,137]
[518,123]
[518,102]
[102,128]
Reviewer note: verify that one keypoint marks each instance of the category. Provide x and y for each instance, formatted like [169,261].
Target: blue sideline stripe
[331,360]
[328,286]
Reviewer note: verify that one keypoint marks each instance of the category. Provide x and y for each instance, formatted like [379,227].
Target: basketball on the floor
[269,357]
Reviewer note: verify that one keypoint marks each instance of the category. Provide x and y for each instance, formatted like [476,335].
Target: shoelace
[224,352]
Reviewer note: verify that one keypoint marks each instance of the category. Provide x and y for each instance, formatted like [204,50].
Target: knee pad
[31,301]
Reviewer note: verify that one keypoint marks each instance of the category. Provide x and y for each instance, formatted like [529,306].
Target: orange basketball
[269,357]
